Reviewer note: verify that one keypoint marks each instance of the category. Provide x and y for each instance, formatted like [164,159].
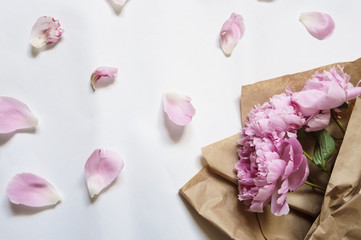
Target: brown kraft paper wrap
[213,191]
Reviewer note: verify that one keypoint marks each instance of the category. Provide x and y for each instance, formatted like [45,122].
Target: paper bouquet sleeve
[314,214]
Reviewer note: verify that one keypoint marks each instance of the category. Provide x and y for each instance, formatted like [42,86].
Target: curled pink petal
[231,32]
[31,190]
[353,93]
[318,24]
[178,107]
[119,2]
[45,31]
[318,122]
[325,91]
[15,115]
[103,76]
[101,169]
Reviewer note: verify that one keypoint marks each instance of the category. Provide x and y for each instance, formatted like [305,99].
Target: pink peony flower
[268,170]
[277,115]
[271,158]
[324,92]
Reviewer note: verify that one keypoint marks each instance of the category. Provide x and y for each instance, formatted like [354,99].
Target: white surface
[154,44]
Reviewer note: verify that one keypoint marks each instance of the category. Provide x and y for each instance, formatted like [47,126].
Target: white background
[155,44]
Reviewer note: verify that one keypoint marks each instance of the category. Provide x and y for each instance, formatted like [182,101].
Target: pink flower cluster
[272,162]
[321,93]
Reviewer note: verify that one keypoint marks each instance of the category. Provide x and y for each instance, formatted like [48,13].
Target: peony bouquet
[272,162]
[293,179]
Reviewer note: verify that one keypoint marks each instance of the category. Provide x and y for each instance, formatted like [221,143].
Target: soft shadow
[175,132]
[116,8]
[266,0]
[4,138]
[203,161]
[211,231]
[36,51]
[25,210]
[239,101]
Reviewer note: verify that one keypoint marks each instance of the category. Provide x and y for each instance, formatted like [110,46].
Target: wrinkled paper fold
[213,191]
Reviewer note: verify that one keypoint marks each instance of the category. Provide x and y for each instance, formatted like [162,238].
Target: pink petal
[178,107]
[45,31]
[275,170]
[119,2]
[299,177]
[103,76]
[318,122]
[31,190]
[231,32]
[320,25]
[15,115]
[101,169]
[307,101]
[352,93]
[279,206]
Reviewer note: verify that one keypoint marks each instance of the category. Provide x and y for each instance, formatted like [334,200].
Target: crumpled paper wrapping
[335,214]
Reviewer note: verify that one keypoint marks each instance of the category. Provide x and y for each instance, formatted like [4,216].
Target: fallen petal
[232,31]
[101,169]
[103,76]
[15,115]
[31,190]
[45,31]
[119,2]
[320,25]
[178,107]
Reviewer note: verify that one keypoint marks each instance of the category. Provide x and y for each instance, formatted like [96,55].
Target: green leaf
[324,148]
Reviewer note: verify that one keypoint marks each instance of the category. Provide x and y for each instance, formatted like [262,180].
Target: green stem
[310,158]
[307,156]
[92,81]
[326,171]
[338,122]
[315,185]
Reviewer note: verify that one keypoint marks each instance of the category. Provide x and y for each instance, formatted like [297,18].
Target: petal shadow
[116,8]
[34,52]
[26,210]
[5,137]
